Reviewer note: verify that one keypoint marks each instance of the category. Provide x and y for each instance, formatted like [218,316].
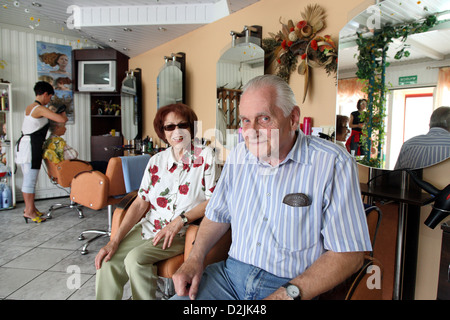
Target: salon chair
[96,190]
[167,268]
[61,175]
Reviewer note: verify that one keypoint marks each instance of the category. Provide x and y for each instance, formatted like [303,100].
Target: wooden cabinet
[444,270]
[105,106]
[99,55]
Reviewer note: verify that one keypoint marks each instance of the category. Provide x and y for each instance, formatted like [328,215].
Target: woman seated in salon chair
[177,184]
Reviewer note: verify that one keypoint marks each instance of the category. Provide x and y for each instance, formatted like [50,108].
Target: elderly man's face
[267,132]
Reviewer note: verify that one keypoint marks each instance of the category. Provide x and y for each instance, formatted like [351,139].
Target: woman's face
[363,105]
[63,60]
[177,138]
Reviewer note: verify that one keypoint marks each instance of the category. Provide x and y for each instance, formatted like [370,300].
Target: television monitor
[96,76]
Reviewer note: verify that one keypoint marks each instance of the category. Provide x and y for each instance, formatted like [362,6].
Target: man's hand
[187,278]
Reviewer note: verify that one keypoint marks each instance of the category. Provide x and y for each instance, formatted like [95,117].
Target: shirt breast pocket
[293,230]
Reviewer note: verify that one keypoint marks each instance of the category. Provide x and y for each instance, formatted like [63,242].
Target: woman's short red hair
[181,110]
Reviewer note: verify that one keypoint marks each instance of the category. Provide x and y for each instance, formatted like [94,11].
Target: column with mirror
[241,61]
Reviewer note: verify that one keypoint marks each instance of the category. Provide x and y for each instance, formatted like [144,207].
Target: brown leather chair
[61,174]
[166,268]
[96,191]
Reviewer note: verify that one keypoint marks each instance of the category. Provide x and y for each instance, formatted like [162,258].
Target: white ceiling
[173,19]
[432,45]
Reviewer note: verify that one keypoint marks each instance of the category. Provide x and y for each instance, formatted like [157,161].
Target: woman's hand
[168,233]
[105,254]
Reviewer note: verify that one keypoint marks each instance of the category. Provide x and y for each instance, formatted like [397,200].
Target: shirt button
[265,219]
[268,194]
[258,244]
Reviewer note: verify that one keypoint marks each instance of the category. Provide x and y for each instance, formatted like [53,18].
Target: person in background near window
[29,145]
[175,189]
[282,193]
[353,144]
[427,149]
[342,130]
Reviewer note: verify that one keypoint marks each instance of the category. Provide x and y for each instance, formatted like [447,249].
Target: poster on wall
[54,65]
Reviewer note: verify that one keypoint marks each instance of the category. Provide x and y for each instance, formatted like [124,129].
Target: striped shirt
[282,239]
[424,150]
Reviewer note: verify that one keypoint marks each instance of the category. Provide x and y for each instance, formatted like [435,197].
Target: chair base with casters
[71,205]
[61,175]
[121,206]
[98,233]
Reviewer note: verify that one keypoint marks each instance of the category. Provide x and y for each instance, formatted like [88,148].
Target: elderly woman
[176,187]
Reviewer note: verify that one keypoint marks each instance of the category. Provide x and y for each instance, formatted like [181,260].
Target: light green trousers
[135,261]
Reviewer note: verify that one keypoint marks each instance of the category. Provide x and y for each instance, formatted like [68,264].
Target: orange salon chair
[96,190]
[61,175]
[166,268]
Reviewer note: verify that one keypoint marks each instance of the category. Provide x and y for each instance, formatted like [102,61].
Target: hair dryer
[441,207]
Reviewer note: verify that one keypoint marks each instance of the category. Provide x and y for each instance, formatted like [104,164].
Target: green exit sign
[407,80]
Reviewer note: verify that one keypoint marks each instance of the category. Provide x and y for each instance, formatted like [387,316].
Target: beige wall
[204,47]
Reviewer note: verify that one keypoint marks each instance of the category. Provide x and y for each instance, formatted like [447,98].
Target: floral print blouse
[174,187]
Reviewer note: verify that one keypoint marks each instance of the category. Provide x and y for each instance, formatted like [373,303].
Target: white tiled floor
[43,261]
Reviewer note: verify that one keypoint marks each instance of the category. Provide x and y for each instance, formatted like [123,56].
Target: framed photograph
[54,65]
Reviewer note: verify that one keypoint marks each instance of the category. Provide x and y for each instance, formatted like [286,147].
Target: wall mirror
[171,80]
[240,62]
[414,81]
[131,105]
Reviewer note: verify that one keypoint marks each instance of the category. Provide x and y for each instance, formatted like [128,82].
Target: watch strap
[184,219]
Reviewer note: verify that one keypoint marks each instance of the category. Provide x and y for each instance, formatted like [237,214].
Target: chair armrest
[90,189]
[217,253]
[121,210]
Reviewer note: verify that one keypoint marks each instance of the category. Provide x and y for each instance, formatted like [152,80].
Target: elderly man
[293,204]
[427,149]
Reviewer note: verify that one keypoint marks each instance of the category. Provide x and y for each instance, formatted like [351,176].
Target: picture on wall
[54,65]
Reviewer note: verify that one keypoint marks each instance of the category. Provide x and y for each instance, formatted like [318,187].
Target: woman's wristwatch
[184,219]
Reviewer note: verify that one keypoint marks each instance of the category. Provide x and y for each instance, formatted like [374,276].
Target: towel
[133,170]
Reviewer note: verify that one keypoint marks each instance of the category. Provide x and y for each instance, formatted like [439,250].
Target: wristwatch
[292,291]
[184,219]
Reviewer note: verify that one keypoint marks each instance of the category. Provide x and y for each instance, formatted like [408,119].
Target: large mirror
[170,81]
[131,105]
[240,62]
[414,82]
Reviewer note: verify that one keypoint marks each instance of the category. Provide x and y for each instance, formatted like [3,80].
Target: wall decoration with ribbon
[301,39]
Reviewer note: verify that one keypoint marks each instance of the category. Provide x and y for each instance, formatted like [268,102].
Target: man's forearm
[327,272]
[208,234]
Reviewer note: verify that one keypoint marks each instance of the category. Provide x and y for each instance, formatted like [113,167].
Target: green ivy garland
[371,71]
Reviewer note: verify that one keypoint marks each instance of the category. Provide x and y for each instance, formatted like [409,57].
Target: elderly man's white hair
[285,99]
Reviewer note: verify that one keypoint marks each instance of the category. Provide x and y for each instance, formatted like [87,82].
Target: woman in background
[353,144]
[29,145]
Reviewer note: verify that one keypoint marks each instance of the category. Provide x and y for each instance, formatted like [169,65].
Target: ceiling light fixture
[36,4]
[127,29]
[162,29]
